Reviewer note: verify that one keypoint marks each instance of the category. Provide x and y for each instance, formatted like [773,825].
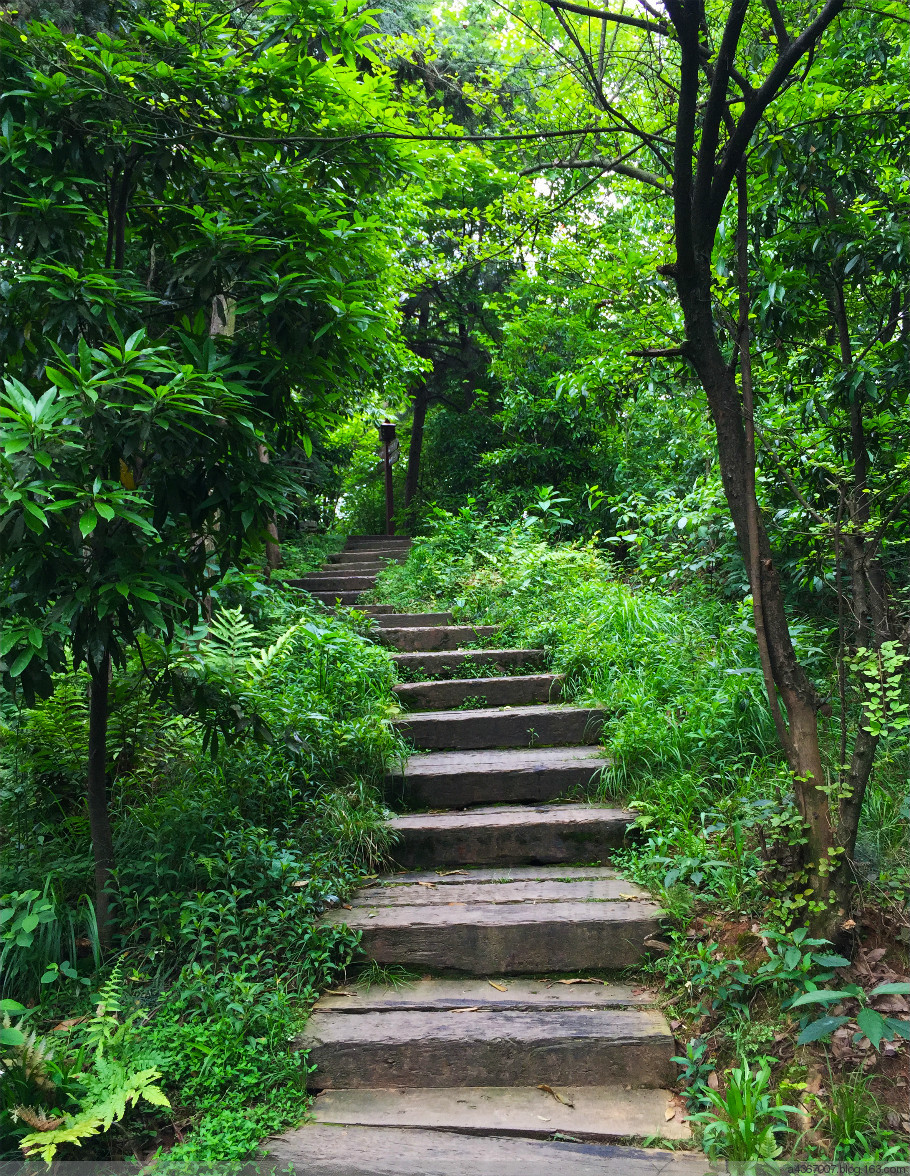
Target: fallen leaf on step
[429,885]
[581,980]
[498,987]
[346,906]
[541,1117]
[630,897]
[449,873]
[670,1112]
[549,1090]
[713,1080]
[339,992]
[658,945]
[472,1009]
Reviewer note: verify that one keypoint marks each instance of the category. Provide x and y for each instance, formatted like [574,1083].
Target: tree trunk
[272,545]
[821,859]
[96,795]
[415,449]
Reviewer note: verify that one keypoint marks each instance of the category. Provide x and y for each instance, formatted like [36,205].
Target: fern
[233,641]
[260,663]
[112,1090]
[111,1085]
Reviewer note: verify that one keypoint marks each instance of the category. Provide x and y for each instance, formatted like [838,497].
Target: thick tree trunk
[96,794]
[415,449]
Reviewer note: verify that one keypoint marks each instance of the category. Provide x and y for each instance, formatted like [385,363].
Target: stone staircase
[508,1057]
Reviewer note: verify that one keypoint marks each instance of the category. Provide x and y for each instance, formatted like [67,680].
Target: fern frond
[259,664]
[31,1057]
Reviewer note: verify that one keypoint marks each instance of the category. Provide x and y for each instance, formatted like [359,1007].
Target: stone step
[387,555]
[322,1150]
[450,662]
[414,620]
[516,690]
[529,890]
[509,836]
[456,779]
[595,1113]
[514,993]
[438,637]
[359,540]
[346,598]
[367,568]
[328,583]
[375,610]
[470,875]
[493,934]
[520,726]
[488,1047]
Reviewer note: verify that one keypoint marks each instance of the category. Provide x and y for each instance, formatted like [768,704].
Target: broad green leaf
[816,1030]
[872,1024]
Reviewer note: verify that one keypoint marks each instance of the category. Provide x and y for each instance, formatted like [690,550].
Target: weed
[744,1120]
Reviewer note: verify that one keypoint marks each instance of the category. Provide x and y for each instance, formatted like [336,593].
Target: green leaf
[11,1006]
[873,1025]
[826,996]
[820,1028]
[11,1036]
[88,522]
[831,961]
[901,988]
[21,662]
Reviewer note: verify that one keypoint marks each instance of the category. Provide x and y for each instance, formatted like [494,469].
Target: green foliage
[745,1119]
[38,941]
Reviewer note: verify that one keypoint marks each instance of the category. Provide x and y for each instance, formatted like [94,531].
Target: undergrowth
[246,761]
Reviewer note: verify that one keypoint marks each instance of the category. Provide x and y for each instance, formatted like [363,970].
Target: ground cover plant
[775,1024]
[233,835]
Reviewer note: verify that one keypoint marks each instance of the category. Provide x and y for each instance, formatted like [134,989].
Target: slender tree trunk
[796,690]
[415,449]
[96,793]
[272,545]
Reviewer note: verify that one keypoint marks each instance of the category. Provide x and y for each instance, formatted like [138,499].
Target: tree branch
[780,29]
[635,22]
[604,165]
[748,121]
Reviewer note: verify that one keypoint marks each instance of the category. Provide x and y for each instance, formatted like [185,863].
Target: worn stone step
[360,540]
[520,726]
[472,874]
[328,583]
[518,937]
[509,836]
[336,597]
[322,1150]
[516,690]
[375,610]
[533,890]
[489,1047]
[454,662]
[515,992]
[456,779]
[367,568]
[384,556]
[414,620]
[437,637]
[596,1113]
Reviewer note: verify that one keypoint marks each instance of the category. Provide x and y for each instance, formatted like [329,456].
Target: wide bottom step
[321,1150]
[602,1114]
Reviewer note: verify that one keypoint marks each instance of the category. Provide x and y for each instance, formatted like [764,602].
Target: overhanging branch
[651,26]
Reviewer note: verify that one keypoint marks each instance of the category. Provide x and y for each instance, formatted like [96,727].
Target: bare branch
[604,165]
[635,22]
[780,29]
